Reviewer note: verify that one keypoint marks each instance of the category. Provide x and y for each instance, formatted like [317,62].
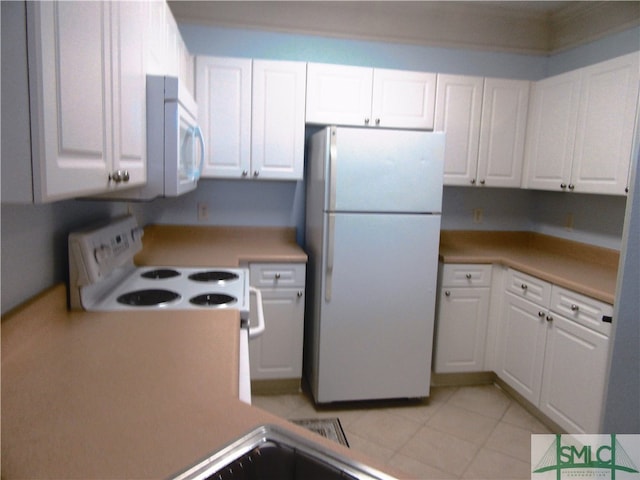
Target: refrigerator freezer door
[376,324]
[371,170]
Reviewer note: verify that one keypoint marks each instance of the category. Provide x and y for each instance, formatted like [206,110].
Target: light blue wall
[228,42]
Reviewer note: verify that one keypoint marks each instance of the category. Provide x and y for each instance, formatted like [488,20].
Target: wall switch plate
[203,211]
[477,215]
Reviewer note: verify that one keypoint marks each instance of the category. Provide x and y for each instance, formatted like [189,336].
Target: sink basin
[269,452]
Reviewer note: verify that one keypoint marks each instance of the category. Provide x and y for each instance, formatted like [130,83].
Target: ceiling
[537,27]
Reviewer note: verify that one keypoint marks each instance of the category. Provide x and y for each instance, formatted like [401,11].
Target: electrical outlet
[203,211]
[477,215]
[568,223]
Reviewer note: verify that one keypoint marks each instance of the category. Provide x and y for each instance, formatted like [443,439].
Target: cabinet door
[129,92]
[70,106]
[458,110]
[403,99]
[223,93]
[156,37]
[551,132]
[277,353]
[277,132]
[522,344]
[575,370]
[461,329]
[502,132]
[338,94]
[606,120]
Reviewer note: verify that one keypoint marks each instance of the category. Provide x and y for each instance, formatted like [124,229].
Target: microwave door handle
[197,131]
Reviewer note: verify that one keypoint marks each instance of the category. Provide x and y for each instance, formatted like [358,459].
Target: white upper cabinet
[277,120]
[252,116]
[360,96]
[403,99]
[458,112]
[129,90]
[485,123]
[581,128]
[87,124]
[502,132]
[223,93]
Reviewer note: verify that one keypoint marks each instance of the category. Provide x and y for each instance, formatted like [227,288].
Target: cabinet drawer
[584,310]
[466,275]
[531,288]
[273,275]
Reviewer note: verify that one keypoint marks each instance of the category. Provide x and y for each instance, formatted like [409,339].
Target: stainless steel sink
[271,453]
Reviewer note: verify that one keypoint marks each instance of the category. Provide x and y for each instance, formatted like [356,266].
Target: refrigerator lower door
[376,320]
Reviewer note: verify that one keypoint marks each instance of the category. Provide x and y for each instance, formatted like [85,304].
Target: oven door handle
[258,329]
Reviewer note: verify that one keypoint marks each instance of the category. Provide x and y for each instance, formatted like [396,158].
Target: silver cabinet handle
[366,121]
[377,121]
[447,293]
[473,181]
[524,286]
[277,275]
[549,318]
[482,181]
[256,173]
[245,173]
[300,293]
[541,314]
[119,176]
[575,307]
[563,186]
[468,276]
[571,186]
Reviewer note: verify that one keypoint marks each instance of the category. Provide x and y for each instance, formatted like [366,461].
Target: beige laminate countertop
[586,269]
[117,395]
[195,246]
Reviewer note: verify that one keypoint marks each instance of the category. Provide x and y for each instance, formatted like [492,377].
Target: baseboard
[530,407]
[278,386]
[465,378]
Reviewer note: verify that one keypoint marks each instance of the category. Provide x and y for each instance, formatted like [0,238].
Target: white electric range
[103,277]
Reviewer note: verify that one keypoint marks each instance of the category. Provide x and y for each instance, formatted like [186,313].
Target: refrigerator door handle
[333,153]
[330,246]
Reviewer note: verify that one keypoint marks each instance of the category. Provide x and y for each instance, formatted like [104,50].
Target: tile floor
[476,432]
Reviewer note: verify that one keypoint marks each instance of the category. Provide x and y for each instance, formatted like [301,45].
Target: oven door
[184,149]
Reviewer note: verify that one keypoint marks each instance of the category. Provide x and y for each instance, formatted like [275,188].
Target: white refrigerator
[374,201]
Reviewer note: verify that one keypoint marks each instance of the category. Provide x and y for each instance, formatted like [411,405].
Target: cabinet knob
[563,186]
[524,286]
[626,190]
[473,181]
[541,314]
[574,307]
[366,121]
[256,173]
[468,276]
[571,186]
[119,176]
[245,173]
[377,121]
[482,182]
[447,293]
[277,276]
[549,318]
[300,293]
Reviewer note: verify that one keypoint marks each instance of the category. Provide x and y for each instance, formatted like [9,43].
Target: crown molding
[537,28]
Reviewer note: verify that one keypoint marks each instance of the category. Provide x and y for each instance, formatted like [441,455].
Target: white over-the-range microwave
[175,145]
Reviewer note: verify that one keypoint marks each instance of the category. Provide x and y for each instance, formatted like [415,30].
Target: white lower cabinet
[553,350]
[277,353]
[463,311]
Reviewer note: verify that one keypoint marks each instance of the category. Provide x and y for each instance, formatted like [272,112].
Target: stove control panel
[96,252]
